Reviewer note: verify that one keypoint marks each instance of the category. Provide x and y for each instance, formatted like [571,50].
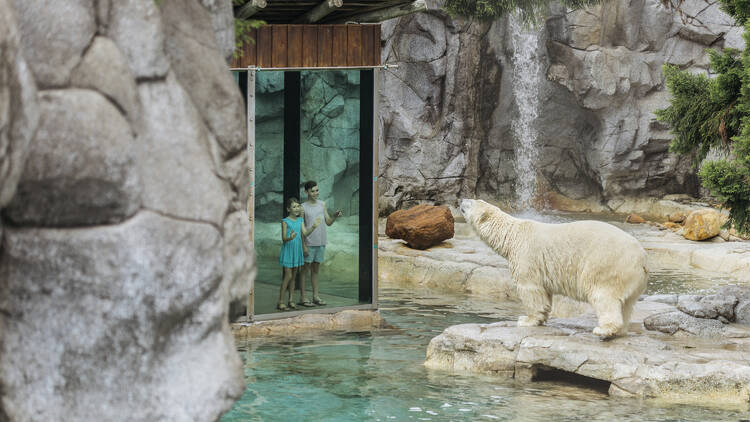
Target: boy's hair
[291,201]
[310,184]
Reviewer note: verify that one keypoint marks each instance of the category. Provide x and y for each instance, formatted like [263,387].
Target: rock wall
[448,109]
[122,141]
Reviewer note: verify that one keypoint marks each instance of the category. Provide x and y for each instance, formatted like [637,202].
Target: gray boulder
[136,27]
[175,156]
[69,179]
[120,311]
[742,312]
[54,37]
[711,306]
[125,313]
[104,69]
[677,322]
[197,63]
[19,112]
[222,21]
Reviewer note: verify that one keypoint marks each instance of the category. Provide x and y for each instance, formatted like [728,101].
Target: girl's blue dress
[291,251]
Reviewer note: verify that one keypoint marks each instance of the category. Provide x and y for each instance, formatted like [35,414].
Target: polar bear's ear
[484,216]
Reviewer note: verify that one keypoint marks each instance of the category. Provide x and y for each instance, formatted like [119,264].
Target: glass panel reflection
[329,157]
[269,179]
[328,170]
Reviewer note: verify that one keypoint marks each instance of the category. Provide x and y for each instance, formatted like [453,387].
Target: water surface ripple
[379,376]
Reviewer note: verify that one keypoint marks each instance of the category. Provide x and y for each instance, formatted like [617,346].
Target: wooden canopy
[329,11]
[285,46]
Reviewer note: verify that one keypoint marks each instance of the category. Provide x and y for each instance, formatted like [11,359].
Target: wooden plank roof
[296,46]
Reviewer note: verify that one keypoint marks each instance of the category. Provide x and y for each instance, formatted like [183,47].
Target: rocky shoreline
[677,368]
[682,348]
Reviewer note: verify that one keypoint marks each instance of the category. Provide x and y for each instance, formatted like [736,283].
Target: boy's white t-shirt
[312,212]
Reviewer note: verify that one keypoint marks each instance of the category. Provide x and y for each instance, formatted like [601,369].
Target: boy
[315,241]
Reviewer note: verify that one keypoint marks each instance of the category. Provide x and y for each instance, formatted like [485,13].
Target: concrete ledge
[350,320]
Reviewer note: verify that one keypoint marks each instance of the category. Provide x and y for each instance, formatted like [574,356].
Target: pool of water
[668,280]
[379,376]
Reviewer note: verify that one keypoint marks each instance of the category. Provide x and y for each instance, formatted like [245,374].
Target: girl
[292,258]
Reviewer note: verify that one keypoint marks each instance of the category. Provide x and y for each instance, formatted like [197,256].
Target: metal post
[251,180]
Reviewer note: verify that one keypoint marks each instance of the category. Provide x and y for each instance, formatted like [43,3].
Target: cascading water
[526,92]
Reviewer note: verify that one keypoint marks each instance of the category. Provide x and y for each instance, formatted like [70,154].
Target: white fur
[589,261]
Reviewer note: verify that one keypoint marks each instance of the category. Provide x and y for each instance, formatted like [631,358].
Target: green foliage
[529,10]
[730,184]
[702,112]
[691,113]
[739,9]
[715,112]
[242,32]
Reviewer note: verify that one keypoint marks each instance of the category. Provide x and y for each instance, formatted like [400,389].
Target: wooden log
[250,8]
[318,12]
[392,12]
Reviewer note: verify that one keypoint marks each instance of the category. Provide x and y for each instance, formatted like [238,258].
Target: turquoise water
[379,376]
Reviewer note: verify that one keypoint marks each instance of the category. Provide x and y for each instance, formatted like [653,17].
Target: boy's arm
[330,220]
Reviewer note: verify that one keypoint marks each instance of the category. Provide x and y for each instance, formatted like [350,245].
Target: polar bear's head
[474,210]
[489,222]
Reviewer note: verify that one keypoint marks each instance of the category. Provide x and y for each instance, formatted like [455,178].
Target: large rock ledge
[646,364]
[349,320]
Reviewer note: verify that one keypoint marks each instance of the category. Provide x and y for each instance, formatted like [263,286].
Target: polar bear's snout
[466,206]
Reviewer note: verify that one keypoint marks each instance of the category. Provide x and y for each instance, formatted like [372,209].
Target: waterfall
[526,81]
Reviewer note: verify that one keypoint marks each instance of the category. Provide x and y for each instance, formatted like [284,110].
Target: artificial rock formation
[450,107]
[124,234]
[702,315]
[643,364]
[422,226]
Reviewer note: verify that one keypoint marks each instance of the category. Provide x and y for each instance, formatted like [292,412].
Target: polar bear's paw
[525,321]
[606,331]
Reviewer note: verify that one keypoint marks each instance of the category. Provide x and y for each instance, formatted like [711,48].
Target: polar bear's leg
[537,302]
[609,312]
[627,311]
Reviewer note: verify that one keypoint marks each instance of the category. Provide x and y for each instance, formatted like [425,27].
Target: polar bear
[589,261]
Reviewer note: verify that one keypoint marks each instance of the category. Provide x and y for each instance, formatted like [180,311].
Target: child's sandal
[319,301]
[292,305]
[281,307]
[306,304]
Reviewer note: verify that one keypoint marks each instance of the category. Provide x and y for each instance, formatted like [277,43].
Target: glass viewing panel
[307,128]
